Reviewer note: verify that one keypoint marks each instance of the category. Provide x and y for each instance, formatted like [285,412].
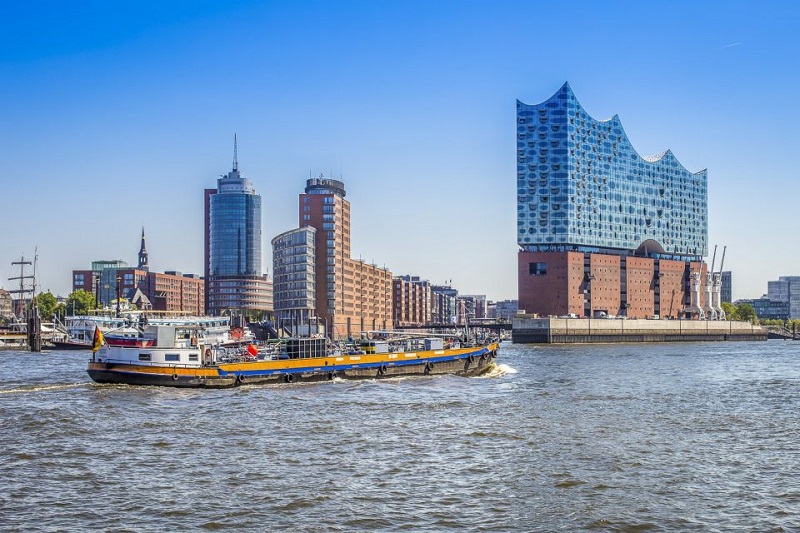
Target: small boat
[70,344]
[183,355]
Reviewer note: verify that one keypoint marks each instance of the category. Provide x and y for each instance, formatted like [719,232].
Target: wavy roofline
[650,159]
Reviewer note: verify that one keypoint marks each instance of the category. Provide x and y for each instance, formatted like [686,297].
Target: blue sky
[115,115]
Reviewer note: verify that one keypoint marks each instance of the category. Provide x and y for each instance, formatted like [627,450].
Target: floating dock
[599,330]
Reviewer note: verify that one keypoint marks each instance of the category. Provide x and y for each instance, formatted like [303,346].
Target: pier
[597,330]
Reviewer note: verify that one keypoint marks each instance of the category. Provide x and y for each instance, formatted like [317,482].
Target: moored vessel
[184,355]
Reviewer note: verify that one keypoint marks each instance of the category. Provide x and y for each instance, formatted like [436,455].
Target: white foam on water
[40,388]
[498,370]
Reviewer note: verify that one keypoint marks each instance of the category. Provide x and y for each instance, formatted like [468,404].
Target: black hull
[66,345]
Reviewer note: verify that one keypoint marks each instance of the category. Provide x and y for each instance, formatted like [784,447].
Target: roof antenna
[235,154]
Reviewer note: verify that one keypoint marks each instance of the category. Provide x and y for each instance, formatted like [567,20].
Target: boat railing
[148,363]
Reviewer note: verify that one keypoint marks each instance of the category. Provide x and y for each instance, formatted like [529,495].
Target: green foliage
[791,325]
[79,302]
[729,310]
[746,313]
[47,305]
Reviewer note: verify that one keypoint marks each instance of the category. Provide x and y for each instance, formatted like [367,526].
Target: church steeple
[143,255]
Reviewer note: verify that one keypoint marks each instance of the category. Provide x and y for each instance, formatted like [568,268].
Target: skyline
[119,116]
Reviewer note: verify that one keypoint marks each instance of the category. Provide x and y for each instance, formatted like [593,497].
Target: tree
[746,313]
[730,310]
[47,305]
[80,302]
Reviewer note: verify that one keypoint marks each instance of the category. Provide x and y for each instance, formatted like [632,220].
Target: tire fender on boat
[288,378]
[382,370]
[174,377]
[331,375]
[428,367]
[240,378]
[471,358]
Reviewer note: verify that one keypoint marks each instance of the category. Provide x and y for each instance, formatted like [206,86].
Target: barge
[183,356]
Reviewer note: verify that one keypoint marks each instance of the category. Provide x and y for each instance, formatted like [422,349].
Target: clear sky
[115,115]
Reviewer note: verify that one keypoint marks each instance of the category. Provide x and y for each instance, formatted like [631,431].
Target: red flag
[252,350]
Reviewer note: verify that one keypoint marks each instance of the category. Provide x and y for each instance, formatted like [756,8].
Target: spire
[235,154]
[143,255]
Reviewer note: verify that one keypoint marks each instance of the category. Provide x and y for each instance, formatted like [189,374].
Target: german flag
[99,340]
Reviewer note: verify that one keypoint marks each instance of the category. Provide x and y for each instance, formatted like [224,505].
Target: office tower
[726,291]
[235,281]
[294,277]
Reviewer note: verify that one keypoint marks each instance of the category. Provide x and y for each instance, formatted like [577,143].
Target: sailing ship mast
[33,321]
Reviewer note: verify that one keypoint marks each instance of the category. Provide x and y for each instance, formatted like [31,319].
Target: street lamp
[119,278]
[106,287]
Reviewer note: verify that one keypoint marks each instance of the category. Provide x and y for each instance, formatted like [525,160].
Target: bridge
[493,326]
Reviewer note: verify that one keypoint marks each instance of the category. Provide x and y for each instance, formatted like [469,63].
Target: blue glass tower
[235,227]
[581,186]
[234,278]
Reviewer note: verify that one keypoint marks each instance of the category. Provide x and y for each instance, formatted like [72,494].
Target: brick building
[351,295]
[170,291]
[603,231]
[412,301]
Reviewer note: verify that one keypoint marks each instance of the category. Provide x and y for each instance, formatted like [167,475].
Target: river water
[646,437]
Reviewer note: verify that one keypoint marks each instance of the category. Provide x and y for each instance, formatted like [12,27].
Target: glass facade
[235,277]
[294,278]
[582,186]
[235,229]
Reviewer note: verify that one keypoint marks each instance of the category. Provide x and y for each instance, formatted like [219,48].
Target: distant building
[6,307]
[768,309]
[351,296]
[294,276]
[444,311]
[503,310]
[412,301]
[170,291]
[235,281]
[786,289]
[601,229]
[726,291]
[470,306]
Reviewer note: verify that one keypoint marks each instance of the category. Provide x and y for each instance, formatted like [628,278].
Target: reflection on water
[612,438]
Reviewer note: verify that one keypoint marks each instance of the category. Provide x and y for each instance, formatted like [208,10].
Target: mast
[33,321]
[22,290]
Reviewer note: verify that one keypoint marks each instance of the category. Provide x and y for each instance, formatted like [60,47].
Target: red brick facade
[587,284]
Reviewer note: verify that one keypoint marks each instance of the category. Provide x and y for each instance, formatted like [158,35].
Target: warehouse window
[537,269]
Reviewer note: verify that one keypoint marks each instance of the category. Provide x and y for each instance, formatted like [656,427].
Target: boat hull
[463,362]
[71,345]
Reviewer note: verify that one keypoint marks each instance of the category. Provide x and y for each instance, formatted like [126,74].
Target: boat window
[144,357]
[172,357]
[193,357]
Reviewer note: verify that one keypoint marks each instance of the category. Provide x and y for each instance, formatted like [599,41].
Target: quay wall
[597,330]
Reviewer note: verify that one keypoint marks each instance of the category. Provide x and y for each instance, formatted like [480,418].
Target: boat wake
[498,371]
[42,388]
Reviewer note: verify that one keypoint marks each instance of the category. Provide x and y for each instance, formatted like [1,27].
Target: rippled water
[668,437]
